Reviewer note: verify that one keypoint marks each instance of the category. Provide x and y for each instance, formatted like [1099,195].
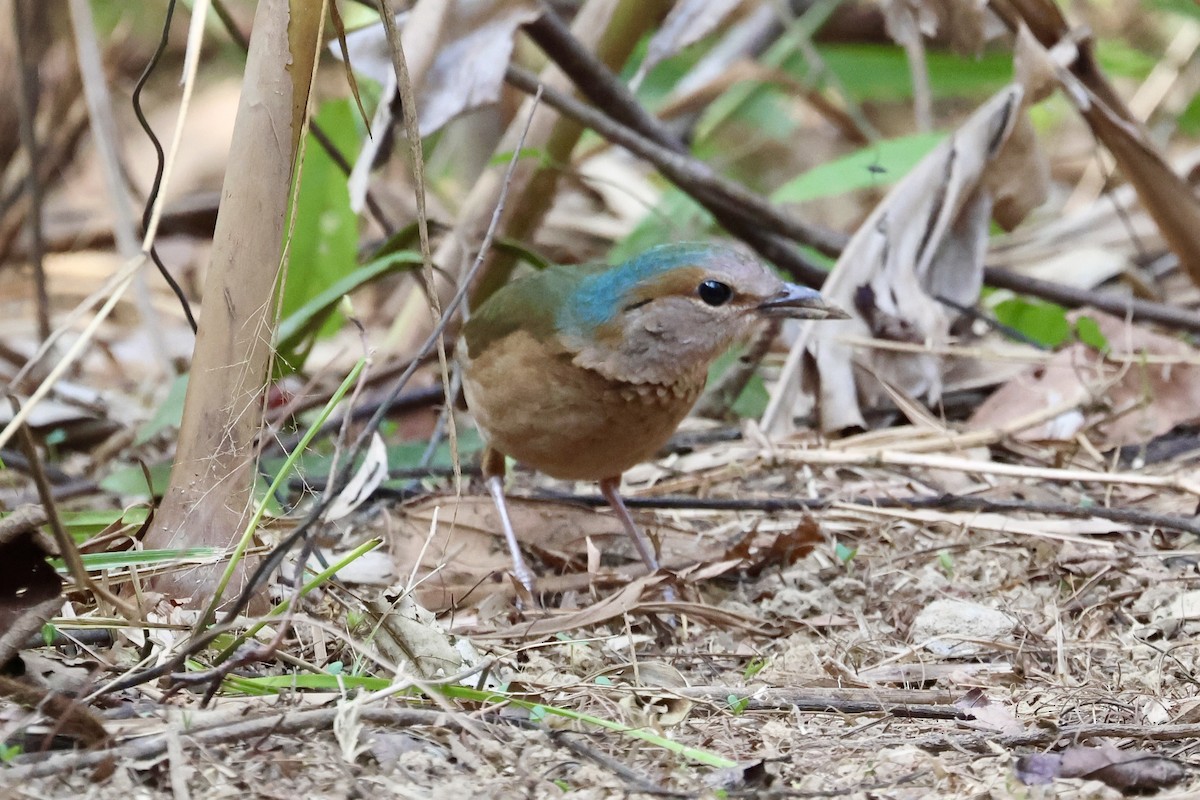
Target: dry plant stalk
[209,498]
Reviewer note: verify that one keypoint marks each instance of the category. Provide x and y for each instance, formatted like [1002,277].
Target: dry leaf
[372,472]
[661,709]
[1140,400]
[925,241]
[689,22]
[997,716]
[784,550]
[29,589]
[456,52]
[466,547]
[1127,770]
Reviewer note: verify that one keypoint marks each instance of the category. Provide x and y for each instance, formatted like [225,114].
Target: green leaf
[880,72]
[94,562]
[752,401]
[1187,8]
[538,154]
[754,667]
[844,554]
[1189,120]
[169,413]
[324,244]
[308,320]
[48,634]
[737,705]
[83,525]
[1118,57]
[128,481]
[874,166]
[1088,332]
[1044,323]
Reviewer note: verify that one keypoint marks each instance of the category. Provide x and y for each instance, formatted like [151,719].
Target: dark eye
[714,293]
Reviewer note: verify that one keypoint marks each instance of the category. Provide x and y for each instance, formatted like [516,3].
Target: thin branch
[1074,297]
[27,112]
[946,502]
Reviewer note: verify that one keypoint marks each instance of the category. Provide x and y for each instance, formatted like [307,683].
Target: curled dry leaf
[1146,387]
[457,53]
[408,634]
[923,244]
[689,22]
[786,548]
[30,589]
[660,708]
[997,716]
[1127,770]
[372,472]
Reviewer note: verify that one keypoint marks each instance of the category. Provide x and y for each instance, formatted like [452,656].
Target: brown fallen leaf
[782,551]
[1127,770]
[996,716]
[1121,401]
[466,548]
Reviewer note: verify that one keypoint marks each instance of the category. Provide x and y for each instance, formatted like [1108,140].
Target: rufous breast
[533,403]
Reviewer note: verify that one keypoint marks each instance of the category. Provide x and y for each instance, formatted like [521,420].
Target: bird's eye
[715,293]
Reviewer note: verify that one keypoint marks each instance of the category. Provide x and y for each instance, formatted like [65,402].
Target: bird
[583,371]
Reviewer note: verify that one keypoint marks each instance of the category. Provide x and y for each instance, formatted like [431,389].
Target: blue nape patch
[601,295]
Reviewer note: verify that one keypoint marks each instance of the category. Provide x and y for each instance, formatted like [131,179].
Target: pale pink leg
[495,485]
[610,488]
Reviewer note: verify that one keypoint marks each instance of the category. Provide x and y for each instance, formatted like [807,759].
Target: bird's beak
[800,302]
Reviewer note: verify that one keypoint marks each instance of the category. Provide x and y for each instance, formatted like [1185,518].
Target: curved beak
[800,302]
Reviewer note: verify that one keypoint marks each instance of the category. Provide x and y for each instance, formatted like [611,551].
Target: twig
[985,742]
[27,111]
[67,548]
[732,204]
[837,701]
[198,736]
[891,458]
[408,105]
[1074,297]
[104,132]
[572,740]
[945,502]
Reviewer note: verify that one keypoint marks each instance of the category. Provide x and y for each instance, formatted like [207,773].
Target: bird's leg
[493,473]
[610,488]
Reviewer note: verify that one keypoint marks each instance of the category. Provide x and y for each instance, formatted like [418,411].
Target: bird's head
[673,309]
